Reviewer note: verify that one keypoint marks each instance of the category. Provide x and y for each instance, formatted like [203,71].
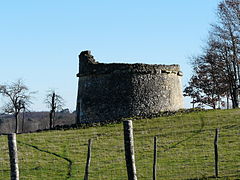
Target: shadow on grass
[5,170]
[203,178]
[69,173]
[213,177]
[195,133]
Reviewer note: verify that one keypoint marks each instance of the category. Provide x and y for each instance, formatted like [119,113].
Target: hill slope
[185,149]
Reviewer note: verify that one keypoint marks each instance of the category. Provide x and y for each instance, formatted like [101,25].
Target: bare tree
[207,85]
[227,32]
[217,69]
[18,96]
[55,102]
[192,91]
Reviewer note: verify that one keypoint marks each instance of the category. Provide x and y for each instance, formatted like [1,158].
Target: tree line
[18,100]
[216,71]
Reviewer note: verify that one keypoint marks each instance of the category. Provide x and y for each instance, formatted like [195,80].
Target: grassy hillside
[185,149]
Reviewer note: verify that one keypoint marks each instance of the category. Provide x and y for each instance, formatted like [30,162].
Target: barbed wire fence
[185,153]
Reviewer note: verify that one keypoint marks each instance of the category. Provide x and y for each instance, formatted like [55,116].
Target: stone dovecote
[113,91]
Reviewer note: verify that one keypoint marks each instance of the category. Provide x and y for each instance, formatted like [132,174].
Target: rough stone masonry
[113,91]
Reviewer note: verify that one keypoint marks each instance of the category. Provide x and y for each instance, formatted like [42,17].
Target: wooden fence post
[216,152]
[12,146]
[155,158]
[88,159]
[129,150]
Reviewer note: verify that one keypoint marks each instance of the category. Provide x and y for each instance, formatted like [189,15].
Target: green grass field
[185,149]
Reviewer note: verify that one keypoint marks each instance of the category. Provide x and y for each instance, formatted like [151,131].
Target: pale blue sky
[40,40]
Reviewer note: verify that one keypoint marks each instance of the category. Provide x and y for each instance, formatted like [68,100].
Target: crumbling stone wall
[113,91]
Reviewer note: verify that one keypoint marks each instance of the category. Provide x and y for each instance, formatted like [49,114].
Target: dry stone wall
[112,91]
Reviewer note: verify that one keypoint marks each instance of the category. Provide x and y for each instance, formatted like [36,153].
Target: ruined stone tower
[112,91]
